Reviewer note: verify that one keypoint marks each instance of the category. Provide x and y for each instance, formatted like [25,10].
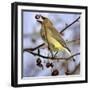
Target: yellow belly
[56,45]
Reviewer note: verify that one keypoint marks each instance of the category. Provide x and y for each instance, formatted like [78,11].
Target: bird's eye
[37,16]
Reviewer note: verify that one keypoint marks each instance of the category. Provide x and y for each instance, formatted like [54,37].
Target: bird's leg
[55,54]
[50,51]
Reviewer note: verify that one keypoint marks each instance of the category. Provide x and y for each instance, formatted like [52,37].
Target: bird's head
[43,20]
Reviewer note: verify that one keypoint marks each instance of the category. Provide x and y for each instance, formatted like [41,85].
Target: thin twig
[53,58]
[73,72]
[72,56]
[77,40]
[69,25]
[32,49]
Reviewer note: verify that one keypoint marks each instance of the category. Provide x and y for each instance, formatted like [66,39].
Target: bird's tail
[69,52]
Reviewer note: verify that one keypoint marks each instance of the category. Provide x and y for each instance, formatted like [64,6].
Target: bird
[51,36]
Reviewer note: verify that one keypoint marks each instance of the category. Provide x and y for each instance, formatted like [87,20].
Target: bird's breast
[42,32]
[48,37]
[56,44]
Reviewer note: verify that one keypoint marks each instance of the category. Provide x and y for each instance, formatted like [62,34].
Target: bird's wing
[55,34]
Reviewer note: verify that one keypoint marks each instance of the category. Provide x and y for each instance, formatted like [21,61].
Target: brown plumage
[51,36]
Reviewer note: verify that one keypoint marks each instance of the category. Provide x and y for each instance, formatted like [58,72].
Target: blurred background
[32,38]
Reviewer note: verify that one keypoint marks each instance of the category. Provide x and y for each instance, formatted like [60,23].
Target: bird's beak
[39,21]
[40,18]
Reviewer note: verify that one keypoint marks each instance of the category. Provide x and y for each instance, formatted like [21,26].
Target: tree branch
[73,72]
[53,58]
[33,49]
[69,25]
[77,40]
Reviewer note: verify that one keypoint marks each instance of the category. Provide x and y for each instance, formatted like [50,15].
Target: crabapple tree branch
[53,58]
[69,25]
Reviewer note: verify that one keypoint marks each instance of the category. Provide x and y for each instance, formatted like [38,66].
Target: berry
[55,72]
[49,65]
[38,61]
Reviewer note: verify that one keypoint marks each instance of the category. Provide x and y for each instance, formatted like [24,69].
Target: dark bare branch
[53,58]
[32,49]
[69,25]
[77,40]
[73,72]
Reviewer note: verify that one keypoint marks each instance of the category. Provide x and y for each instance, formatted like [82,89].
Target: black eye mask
[39,21]
[43,17]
